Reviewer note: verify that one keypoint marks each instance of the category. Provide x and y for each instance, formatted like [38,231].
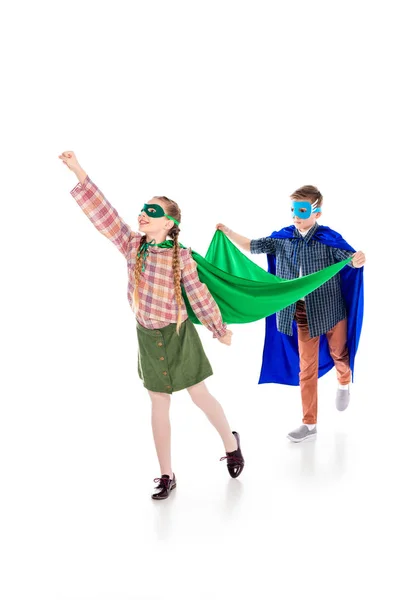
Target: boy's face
[303,217]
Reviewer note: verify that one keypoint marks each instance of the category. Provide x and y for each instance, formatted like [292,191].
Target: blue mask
[303,210]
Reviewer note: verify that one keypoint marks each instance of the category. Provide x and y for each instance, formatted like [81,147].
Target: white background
[227,107]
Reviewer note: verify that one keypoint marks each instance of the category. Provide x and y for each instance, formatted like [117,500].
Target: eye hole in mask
[156,211]
[303,210]
[153,210]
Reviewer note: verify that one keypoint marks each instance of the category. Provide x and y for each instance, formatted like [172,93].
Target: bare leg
[215,414]
[161,426]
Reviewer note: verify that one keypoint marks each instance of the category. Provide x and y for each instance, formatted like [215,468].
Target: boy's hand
[227,338]
[223,228]
[358,259]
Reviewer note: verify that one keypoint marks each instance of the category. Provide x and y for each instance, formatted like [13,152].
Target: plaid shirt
[157,304]
[325,306]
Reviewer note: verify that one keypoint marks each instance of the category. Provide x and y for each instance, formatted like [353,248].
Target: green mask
[155,211]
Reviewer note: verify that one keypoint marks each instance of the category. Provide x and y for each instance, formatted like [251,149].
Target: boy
[322,329]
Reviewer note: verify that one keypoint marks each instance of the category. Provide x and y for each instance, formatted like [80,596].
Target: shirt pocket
[317,256]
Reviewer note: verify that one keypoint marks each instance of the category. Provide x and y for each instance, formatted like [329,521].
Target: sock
[344,387]
[310,427]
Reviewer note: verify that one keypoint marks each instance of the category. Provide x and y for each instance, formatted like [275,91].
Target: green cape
[245,292]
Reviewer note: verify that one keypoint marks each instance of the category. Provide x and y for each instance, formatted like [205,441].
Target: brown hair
[172,209]
[308,192]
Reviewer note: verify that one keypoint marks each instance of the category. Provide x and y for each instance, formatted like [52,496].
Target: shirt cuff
[252,247]
[79,186]
[221,331]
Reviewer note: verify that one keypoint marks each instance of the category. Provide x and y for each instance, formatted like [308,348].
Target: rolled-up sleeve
[103,215]
[203,304]
[340,255]
[264,245]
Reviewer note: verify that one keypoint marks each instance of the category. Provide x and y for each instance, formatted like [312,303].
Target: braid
[176,264]
[137,273]
[173,210]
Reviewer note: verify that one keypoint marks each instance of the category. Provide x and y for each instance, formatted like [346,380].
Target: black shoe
[235,460]
[164,488]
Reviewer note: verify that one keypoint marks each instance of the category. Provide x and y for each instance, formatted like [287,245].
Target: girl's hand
[358,259]
[68,157]
[227,338]
[223,228]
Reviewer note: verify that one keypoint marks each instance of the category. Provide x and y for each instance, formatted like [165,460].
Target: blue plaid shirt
[325,306]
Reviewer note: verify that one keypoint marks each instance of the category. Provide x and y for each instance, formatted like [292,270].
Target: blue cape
[281,362]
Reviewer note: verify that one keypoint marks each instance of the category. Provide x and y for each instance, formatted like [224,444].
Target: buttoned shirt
[325,306]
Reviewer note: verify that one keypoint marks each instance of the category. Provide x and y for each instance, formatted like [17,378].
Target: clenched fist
[68,157]
[358,259]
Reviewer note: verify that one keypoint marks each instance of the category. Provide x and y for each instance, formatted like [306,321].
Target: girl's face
[154,226]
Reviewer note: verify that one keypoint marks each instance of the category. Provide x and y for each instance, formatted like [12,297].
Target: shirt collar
[309,233]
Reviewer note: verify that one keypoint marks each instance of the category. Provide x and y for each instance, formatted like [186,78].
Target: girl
[171,356]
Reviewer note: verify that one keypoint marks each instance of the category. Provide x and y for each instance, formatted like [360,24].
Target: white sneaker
[302,434]
[342,399]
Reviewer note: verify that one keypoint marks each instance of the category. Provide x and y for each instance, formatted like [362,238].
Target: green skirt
[168,362]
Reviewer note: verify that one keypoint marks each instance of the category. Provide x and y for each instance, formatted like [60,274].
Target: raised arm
[68,157]
[96,207]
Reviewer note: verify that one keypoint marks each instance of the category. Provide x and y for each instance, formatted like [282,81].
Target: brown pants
[308,351]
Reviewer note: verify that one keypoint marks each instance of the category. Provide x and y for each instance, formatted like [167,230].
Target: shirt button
[165,373]
[168,387]
[160,344]
[161,358]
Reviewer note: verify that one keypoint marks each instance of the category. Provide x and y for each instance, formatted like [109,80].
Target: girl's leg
[215,414]
[161,426]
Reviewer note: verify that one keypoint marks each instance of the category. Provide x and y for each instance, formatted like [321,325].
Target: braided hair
[172,209]
[137,272]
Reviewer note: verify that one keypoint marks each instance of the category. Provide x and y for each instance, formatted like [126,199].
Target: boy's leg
[308,352]
[337,340]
